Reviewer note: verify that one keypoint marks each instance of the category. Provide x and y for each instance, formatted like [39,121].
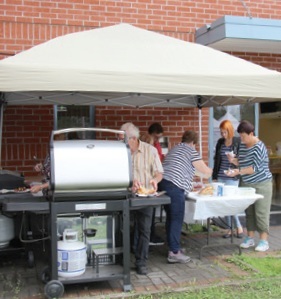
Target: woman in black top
[225,145]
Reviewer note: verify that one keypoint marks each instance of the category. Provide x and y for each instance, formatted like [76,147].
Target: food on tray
[144,191]
[20,189]
[208,190]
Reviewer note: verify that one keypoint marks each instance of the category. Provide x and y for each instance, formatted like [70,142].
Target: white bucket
[229,190]
[72,256]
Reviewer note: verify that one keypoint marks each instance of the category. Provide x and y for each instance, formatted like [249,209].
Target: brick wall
[174,120]
[269,60]
[25,23]
[26,129]
[26,133]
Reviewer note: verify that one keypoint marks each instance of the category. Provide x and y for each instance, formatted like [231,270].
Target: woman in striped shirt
[179,169]
[253,165]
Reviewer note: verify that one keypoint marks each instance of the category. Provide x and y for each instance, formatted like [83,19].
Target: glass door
[235,114]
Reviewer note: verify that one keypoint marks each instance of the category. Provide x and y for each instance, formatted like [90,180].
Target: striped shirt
[224,164]
[178,167]
[146,163]
[257,157]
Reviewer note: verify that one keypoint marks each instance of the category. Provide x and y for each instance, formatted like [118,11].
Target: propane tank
[7,230]
[71,255]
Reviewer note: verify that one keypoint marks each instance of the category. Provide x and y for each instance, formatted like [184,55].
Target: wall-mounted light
[61,108]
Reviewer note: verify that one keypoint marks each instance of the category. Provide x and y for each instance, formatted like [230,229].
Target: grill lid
[91,168]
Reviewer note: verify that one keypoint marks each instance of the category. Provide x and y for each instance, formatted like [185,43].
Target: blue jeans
[174,214]
[237,223]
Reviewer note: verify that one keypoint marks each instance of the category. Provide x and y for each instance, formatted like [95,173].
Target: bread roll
[142,190]
[208,190]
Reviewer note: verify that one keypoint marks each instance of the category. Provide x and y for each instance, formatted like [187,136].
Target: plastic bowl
[246,191]
[229,190]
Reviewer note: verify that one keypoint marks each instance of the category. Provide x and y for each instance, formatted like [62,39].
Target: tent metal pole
[200,131]
[1,129]
[200,137]
[199,106]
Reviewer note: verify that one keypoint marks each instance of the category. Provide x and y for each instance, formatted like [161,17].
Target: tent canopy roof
[129,66]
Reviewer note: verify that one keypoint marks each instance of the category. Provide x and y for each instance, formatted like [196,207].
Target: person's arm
[201,167]
[38,167]
[157,169]
[37,188]
[240,171]
[157,178]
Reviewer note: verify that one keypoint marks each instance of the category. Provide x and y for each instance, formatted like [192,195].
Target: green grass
[198,228]
[263,281]
[268,266]
[261,289]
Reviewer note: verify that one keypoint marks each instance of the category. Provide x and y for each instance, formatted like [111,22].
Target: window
[75,117]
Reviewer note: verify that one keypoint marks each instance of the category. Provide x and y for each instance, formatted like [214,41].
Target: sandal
[240,235]
[226,236]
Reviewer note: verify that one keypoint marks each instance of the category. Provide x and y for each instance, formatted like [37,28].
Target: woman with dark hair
[227,144]
[179,169]
[156,131]
[254,170]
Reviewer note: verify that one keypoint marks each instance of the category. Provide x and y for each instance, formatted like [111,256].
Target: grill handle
[88,130]
[62,131]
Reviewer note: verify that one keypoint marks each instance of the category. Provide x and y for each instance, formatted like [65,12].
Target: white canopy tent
[129,66]
[123,65]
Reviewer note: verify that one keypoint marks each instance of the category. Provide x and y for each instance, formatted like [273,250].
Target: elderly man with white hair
[147,172]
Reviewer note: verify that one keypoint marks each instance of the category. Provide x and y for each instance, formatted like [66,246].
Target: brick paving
[19,281]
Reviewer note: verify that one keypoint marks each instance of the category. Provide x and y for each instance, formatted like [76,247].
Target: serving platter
[3,191]
[147,195]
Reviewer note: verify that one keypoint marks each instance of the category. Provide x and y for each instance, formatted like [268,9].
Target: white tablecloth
[198,207]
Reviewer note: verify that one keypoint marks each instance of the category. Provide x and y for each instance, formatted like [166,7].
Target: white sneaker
[178,258]
[262,246]
[248,242]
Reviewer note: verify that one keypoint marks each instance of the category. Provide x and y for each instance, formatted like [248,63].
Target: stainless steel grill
[90,168]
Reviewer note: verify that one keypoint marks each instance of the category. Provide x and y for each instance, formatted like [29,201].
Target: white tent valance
[128,66]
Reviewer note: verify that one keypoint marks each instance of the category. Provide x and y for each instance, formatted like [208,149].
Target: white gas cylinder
[7,230]
[71,255]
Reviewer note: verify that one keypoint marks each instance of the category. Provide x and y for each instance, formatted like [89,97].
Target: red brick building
[25,23]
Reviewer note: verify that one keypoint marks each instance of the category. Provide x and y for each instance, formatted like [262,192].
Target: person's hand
[36,188]
[232,172]
[38,167]
[136,185]
[154,184]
